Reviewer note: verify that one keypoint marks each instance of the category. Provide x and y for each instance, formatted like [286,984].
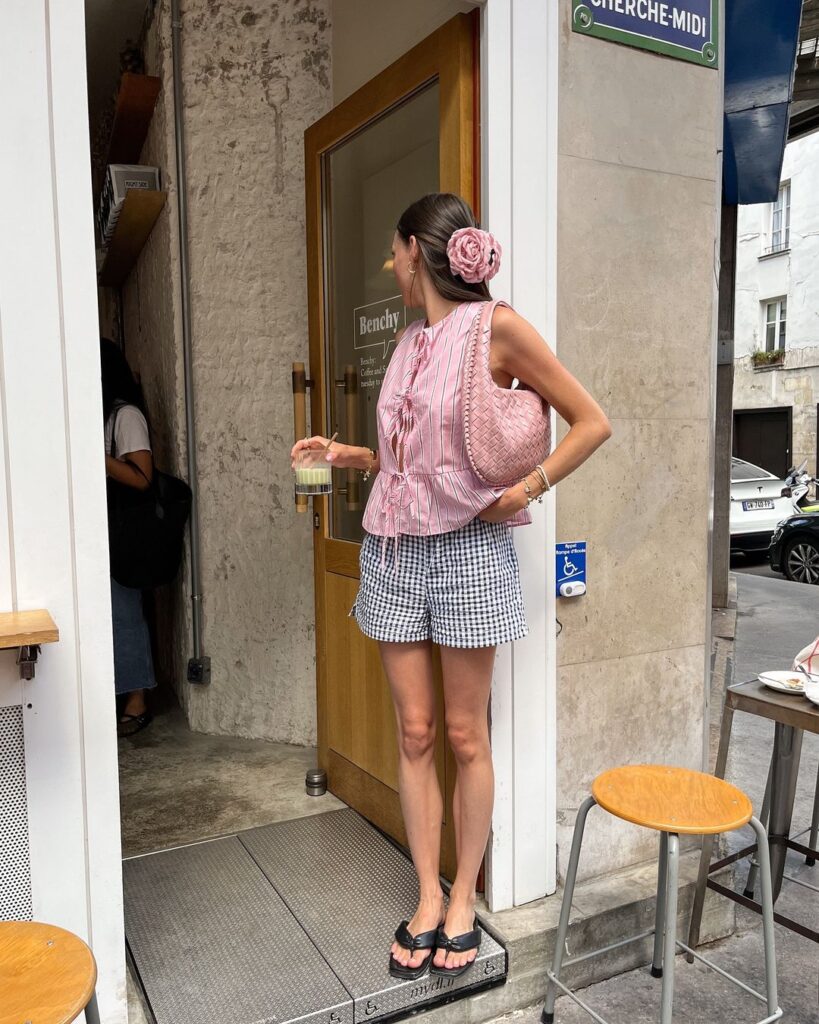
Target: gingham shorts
[458,589]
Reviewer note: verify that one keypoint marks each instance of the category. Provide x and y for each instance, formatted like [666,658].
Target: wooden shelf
[136,220]
[135,106]
[23,629]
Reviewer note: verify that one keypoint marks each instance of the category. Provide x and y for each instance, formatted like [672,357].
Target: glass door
[368,180]
[409,131]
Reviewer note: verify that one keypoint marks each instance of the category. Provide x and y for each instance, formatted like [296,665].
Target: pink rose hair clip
[474,254]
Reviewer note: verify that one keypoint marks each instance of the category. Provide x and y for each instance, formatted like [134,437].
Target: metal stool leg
[767,916]
[670,936]
[659,917]
[814,825]
[92,1013]
[548,1014]
[708,841]
[750,885]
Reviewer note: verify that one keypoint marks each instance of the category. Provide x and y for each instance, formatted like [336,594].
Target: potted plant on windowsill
[762,360]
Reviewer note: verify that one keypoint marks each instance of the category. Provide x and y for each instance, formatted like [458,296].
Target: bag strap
[487,310]
[114,432]
[485,319]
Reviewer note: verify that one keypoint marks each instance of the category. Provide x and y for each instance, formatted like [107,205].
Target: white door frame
[519,83]
[53,530]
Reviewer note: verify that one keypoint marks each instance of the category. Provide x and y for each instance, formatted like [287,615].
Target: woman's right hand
[339,455]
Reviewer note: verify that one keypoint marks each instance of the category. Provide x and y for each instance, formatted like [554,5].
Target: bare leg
[467,685]
[135,703]
[408,667]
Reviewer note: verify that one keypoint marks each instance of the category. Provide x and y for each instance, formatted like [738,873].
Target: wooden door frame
[450,56]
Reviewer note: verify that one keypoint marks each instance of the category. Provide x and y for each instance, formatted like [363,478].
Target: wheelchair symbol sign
[570,562]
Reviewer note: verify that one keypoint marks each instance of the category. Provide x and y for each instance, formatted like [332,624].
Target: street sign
[685,29]
[570,563]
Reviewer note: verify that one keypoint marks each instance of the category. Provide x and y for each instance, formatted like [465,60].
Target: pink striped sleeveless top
[434,489]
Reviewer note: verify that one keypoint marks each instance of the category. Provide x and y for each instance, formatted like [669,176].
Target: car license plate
[756,503]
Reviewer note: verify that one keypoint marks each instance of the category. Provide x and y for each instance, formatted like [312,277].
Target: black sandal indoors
[129,725]
[424,940]
[458,944]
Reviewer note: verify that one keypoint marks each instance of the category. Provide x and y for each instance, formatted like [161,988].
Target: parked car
[794,548]
[757,505]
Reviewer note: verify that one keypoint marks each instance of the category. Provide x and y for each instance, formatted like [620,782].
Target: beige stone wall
[796,385]
[254,76]
[637,197]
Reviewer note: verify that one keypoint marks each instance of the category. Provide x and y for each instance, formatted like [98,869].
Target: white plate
[812,690]
[776,681]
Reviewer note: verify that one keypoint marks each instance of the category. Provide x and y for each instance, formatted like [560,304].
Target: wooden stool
[47,975]
[673,802]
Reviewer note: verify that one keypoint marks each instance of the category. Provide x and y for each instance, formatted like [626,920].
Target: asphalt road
[775,619]
[754,565]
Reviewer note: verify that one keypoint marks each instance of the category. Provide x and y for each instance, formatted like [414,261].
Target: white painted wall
[792,273]
[519,89]
[53,551]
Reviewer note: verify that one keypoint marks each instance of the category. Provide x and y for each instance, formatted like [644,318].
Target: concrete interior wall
[150,328]
[638,201]
[254,77]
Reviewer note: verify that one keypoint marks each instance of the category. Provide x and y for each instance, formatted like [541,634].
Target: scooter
[797,484]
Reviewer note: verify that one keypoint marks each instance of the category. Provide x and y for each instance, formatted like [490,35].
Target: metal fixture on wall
[199,664]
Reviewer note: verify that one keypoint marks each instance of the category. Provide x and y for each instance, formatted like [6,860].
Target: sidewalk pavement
[774,619]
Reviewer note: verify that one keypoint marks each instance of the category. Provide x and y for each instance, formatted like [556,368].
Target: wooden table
[793,715]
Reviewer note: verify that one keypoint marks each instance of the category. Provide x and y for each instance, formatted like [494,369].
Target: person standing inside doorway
[129,464]
[454,578]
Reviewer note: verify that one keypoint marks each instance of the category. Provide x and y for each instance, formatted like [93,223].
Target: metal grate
[348,888]
[286,924]
[15,870]
[213,943]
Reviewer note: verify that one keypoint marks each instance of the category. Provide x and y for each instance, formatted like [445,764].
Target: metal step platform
[288,922]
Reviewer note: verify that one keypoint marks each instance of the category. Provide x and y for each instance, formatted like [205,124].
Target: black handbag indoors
[146,529]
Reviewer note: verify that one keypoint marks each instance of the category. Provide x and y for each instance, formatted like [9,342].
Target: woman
[128,464]
[454,580]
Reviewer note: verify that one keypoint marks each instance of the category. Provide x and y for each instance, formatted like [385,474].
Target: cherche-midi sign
[686,29]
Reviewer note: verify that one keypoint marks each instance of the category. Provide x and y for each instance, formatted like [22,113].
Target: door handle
[349,382]
[301,383]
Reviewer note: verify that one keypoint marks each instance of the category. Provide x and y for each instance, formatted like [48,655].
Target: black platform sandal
[130,725]
[424,940]
[458,944]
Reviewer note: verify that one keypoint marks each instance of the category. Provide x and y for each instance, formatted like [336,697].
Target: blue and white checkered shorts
[458,589]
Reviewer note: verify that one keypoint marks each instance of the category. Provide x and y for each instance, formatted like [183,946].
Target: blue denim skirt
[133,663]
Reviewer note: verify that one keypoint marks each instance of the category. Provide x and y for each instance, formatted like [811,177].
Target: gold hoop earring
[410,268]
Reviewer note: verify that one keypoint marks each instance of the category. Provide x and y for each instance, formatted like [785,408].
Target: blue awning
[761,37]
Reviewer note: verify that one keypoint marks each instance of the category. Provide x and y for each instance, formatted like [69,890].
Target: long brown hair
[432,219]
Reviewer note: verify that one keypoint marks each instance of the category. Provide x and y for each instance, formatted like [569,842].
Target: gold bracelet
[546,485]
[532,497]
[370,467]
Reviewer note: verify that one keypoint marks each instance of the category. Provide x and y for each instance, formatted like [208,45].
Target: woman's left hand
[512,500]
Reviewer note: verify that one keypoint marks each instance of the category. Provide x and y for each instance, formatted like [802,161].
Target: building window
[775,315]
[781,219]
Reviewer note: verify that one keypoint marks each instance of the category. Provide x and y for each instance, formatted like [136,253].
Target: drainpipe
[199,664]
